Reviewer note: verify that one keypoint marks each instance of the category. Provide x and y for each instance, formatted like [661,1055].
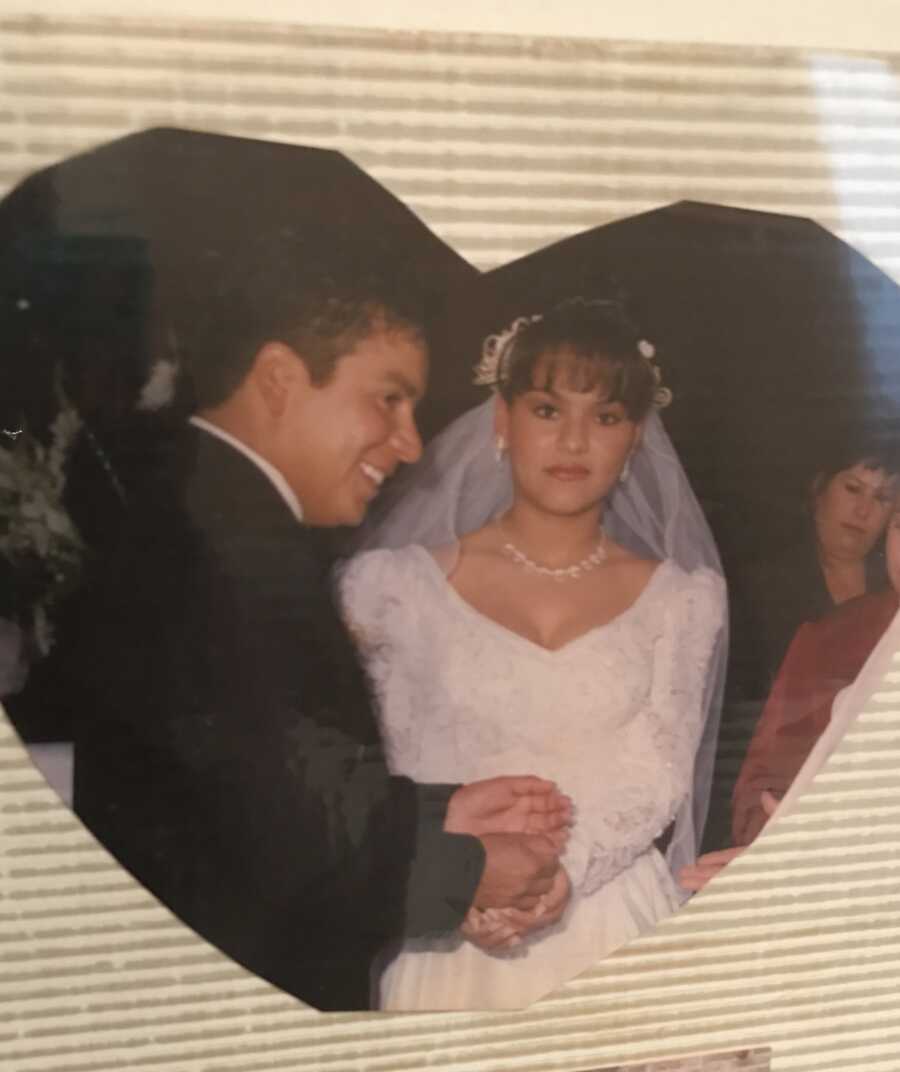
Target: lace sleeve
[378,600]
[364,584]
[636,792]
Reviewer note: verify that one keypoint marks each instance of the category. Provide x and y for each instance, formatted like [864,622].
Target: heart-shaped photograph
[419,636]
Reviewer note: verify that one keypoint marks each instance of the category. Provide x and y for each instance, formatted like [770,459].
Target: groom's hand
[519,869]
[510,805]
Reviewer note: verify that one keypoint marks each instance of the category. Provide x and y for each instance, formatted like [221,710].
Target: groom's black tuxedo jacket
[226,748]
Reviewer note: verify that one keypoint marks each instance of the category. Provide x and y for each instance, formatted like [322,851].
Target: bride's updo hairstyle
[580,345]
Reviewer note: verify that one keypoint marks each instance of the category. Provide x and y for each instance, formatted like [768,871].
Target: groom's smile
[375,475]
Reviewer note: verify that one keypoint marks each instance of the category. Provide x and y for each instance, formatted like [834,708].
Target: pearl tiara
[494,367]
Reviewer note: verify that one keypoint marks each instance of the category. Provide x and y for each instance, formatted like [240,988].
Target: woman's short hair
[861,448]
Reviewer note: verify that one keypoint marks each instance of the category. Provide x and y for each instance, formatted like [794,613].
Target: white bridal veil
[459,486]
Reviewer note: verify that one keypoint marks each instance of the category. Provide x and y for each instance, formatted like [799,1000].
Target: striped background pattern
[503,145]
[738,1061]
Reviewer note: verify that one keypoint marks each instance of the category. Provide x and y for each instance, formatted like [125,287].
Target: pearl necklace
[562,573]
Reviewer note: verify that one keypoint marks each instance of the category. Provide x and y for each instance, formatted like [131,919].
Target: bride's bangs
[572,370]
[620,379]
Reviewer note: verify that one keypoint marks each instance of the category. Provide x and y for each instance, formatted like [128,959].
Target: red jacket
[824,656]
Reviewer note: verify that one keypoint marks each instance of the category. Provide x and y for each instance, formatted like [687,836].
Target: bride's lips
[568,472]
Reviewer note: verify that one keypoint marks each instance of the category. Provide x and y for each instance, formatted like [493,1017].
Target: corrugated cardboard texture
[502,145]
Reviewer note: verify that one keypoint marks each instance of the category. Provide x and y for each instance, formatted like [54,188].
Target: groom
[226,750]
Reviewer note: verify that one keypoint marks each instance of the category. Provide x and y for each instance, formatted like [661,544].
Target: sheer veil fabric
[459,485]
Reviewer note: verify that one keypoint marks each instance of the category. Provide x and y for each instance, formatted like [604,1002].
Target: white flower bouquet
[40,546]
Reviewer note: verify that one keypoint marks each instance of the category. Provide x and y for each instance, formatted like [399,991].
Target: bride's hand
[553,903]
[491,929]
[705,868]
[504,928]
[510,805]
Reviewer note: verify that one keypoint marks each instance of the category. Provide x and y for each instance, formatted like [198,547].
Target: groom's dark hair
[322,309]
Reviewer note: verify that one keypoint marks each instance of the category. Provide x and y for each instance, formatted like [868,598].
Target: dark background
[776,338]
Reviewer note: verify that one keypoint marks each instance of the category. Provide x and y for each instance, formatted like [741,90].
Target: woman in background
[824,658]
[850,499]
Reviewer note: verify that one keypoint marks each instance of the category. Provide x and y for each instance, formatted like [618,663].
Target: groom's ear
[278,374]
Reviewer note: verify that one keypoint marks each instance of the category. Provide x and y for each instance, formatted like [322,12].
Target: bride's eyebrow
[553,393]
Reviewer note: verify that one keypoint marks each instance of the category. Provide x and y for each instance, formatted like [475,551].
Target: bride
[574,628]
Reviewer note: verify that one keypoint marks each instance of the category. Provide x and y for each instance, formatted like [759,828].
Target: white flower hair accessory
[662,396]
[492,369]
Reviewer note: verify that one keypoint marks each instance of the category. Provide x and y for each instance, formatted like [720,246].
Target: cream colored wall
[799,945]
[869,24]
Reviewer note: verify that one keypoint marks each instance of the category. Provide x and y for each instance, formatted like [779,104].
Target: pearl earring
[499,447]
[626,469]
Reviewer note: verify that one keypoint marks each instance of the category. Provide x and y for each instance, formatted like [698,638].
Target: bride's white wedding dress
[614,717]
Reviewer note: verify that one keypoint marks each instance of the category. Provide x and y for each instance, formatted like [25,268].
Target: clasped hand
[523,823]
[503,928]
[510,805]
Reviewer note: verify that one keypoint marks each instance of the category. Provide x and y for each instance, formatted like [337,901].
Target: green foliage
[41,548]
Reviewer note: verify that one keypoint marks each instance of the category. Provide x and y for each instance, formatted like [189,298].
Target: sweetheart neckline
[439,575]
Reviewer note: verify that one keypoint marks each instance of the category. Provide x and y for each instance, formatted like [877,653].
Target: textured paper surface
[502,145]
[738,1061]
